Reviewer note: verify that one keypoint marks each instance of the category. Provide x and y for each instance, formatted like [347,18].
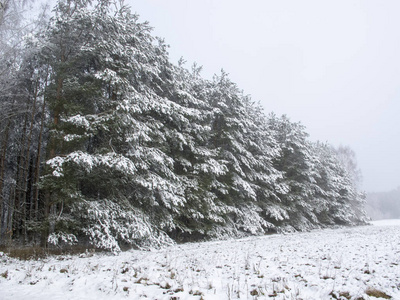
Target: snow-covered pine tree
[241,151]
[102,59]
[294,161]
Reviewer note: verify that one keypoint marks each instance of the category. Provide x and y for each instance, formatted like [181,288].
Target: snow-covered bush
[110,226]
[61,238]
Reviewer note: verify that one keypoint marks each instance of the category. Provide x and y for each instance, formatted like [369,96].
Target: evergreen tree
[101,63]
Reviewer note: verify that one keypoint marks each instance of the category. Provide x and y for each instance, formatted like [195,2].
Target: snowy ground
[323,264]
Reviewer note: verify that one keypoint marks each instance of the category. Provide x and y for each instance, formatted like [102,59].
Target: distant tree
[384,205]
[348,159]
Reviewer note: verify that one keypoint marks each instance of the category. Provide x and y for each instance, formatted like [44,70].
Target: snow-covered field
[323,264]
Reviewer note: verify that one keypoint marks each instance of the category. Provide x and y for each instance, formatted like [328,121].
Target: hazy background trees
[384,205]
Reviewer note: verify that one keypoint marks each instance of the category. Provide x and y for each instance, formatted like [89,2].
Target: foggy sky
[332,65]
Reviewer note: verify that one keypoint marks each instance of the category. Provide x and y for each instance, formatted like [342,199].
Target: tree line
[105,142]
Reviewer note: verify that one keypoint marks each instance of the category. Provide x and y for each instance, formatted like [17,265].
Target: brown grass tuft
[36,253]
[377,294]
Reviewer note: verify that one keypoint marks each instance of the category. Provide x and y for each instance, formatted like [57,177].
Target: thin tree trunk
[24,191]
[19,185]
[38,160]
[10,215]
[3,210]
[49,207]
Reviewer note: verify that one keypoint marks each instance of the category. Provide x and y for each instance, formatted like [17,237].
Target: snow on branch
[88,162]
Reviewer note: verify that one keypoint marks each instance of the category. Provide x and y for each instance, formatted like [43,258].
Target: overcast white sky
[332,65]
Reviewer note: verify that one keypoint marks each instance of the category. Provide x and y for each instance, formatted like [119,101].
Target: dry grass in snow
[348,263]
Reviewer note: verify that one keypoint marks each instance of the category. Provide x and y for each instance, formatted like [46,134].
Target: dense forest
[105,142]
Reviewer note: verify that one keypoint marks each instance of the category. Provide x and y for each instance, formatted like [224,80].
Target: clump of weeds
[377,293]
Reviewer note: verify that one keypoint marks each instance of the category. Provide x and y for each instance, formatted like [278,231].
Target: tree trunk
[10,215]
[38,161]
[49,207]
[24,191]
[19,185]
[3,206]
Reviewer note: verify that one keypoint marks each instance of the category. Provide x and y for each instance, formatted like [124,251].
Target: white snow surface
[312,265]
